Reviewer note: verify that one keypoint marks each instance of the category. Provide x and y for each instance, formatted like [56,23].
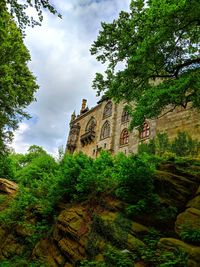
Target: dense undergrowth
[45,182]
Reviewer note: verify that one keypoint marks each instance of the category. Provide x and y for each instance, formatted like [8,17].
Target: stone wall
[180,119]
[170,122]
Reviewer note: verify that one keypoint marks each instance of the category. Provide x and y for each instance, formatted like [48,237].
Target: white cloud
[19,143]
[64,68]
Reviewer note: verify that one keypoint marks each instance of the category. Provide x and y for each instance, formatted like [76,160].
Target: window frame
[124,137]
[107,112]
[145,131]
[103,128]
[125,116]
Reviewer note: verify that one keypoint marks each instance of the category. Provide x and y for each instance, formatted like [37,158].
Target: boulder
[71,233]
[73,222]
[49,253]
[194,203]
[170,244]
[190,218]
[140,264]
[8,187]
[198,191]
[174,190]
[9,246]
[138,228]
[120,230]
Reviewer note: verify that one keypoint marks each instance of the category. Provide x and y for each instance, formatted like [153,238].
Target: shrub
[6,167]
[177,258]
[162,143]
[148,253]
[149,148]
[116,258]
[161,258]
[183,145]
[87,263]
[135,182]
[190,235]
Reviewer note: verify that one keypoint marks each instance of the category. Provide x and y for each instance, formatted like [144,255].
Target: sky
[64,69]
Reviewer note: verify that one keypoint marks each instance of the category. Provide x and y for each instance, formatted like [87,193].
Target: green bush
[112,258]
[161,258]
[149,148]
[21,262]
[177,258]
[135,177]
[182,146]
[148,253]
[116,258]
[6,167]
[190,235]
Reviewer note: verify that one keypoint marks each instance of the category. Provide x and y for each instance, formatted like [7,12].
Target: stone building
[105,126]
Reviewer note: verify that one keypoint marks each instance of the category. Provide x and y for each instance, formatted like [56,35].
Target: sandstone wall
[178,120]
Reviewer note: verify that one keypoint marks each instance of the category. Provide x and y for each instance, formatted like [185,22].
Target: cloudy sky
[64,68]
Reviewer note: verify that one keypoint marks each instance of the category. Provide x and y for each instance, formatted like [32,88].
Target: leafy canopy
[19,10]
[17,83]
[153,56]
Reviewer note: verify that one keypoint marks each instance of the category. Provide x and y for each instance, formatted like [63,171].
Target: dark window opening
[124,137]
[145,132]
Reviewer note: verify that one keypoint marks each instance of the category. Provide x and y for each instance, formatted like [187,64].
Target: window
[107,110]
[91,125]
[125,116]
[105,131]
[145,132]
[124,137]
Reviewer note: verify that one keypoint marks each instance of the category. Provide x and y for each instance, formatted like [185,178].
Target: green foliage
[135,178]
[161,258]
[36,181]
[115,232]
[177,258]
[22,262]
[38,169]
[6,167]
[17,83]
[148,253]
[156,46]
[82,176]
[3,198]
[43,182]
[162,143]
[166,214]
[182,145]
[19,10]
[114,257]
[149,148]
[190,235]
[135,182]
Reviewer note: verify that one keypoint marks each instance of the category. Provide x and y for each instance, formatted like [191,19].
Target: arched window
[105,130]
[125,116]
[107,110]
[91,125]
[145,132]
[124,137]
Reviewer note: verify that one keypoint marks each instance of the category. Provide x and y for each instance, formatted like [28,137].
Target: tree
[153,56]
[18,9]
[17,83]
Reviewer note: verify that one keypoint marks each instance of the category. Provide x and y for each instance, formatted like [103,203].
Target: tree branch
[185,64]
